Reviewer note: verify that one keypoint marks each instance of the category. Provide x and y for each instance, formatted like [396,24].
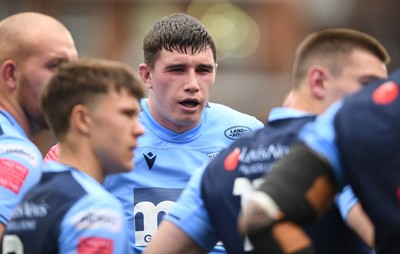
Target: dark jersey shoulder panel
[368,137]
[38,217]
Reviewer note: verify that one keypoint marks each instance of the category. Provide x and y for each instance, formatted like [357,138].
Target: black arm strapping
[291,178]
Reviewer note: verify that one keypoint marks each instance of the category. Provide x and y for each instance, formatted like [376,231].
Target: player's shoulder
[10,135]
[16,147]
[227,114]
[101,214]
[83,192]
[96,194]
[221,108]
[60,183]
[101,199]
[99,209]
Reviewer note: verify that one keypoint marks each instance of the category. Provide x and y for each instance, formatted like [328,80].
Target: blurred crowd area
[256,39]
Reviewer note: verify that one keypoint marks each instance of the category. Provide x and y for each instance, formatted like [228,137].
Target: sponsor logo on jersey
[150,206]
[386,93]
[236,132]
[231,161]
[22,152]
[260,159]
[99,218]
[150,159]
[22,225]
[26,215]
[95,245]
[31,210]
[212,155]
[13,175]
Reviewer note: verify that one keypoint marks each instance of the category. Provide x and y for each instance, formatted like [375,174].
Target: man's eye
[177,70]
[53,66]
[130,113]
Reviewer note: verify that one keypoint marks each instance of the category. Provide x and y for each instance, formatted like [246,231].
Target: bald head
[32,46]
[22,34]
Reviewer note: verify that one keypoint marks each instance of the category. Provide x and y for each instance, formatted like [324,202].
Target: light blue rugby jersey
[20,165]
[165,161]
[67,212]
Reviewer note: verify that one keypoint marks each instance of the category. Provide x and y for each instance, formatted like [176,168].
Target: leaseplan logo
[236,132]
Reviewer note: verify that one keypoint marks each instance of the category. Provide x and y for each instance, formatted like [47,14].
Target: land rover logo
[236,132]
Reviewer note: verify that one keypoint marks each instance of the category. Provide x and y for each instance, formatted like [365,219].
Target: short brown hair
[179,32]
[331,44]
[79,82]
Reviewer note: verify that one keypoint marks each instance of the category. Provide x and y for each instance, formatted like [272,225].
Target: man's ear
[144,71]
[9,73]
[80,119]
[316,79]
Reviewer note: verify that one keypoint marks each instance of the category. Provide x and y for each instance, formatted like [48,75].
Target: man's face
[53,50]
[360,68]
[114,130]
[179,87]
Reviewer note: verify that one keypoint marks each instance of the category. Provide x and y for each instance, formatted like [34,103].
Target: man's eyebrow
[172,66]
[208,66]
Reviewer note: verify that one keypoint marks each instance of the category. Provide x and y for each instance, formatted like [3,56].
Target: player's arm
[360,223]
[191,217]
[20,170]
[2,229]
[354,215]
[170,239]
[299,189]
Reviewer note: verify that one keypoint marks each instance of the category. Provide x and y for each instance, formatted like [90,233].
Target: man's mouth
[190,103]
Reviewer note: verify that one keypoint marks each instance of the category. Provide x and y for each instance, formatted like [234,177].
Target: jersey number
[12,245]
[243,187]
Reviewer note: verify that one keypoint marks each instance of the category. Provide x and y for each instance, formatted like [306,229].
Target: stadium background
[256,39]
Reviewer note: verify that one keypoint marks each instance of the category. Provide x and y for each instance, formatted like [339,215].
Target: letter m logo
[150,206]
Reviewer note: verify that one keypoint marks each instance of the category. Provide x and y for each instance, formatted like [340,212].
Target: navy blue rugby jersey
[239,170]
[368,137]
[67,212]
[208,208]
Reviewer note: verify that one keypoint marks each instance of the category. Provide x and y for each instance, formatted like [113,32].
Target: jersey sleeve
[320,137]
[94,225]
[345,200]
[190,214]
[20,170]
